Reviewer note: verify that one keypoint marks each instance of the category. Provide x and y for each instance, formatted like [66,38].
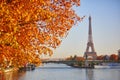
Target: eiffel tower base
[91,55]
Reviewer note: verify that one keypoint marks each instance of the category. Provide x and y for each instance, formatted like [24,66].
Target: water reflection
[63,72]
[89,74]
[12,75]
[20,75]
[8,75]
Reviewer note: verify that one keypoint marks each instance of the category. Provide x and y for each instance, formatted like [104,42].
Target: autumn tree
[103,57]
[114,57]
[29,28]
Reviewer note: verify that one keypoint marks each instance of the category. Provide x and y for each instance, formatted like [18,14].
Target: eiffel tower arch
[90,45]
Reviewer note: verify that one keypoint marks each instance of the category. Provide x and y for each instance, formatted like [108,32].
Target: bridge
[73,62]
[63,62]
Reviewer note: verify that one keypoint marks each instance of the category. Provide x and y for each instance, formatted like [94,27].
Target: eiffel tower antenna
[90,44]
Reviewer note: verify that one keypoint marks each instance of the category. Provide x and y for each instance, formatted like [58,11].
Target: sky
[105,16]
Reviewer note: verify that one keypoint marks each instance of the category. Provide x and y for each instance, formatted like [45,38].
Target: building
[119,54]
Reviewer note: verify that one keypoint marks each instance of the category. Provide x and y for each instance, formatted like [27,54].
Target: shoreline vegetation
[92,64]
[75,61]
[76,64]
[81,62]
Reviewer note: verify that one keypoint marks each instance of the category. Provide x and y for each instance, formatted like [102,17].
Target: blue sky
[105,26]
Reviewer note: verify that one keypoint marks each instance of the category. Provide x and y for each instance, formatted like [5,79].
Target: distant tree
[74,58]
[114,57]
[79,58]
[101,57]
[106,57]
[29,28]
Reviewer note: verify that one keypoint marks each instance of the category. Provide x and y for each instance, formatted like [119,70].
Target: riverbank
[81,66]
[94,65]
[28,67]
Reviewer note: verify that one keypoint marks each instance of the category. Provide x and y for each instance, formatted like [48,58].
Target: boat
[108,65]
[101,66]
[30,67]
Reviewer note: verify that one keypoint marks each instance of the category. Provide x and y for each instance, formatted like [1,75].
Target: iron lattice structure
[92,54]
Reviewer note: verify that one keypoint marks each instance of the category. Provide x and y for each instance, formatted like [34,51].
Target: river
[53,71]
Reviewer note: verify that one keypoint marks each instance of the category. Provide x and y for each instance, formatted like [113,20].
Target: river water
[53,71]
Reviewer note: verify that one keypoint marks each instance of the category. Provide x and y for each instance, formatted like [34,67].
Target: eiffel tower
[92,54]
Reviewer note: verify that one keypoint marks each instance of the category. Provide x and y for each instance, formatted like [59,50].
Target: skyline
[105,16]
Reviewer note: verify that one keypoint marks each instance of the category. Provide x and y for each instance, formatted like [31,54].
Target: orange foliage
[29,28]
[114,57]
[75,58]
[101,57]
[79,59]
